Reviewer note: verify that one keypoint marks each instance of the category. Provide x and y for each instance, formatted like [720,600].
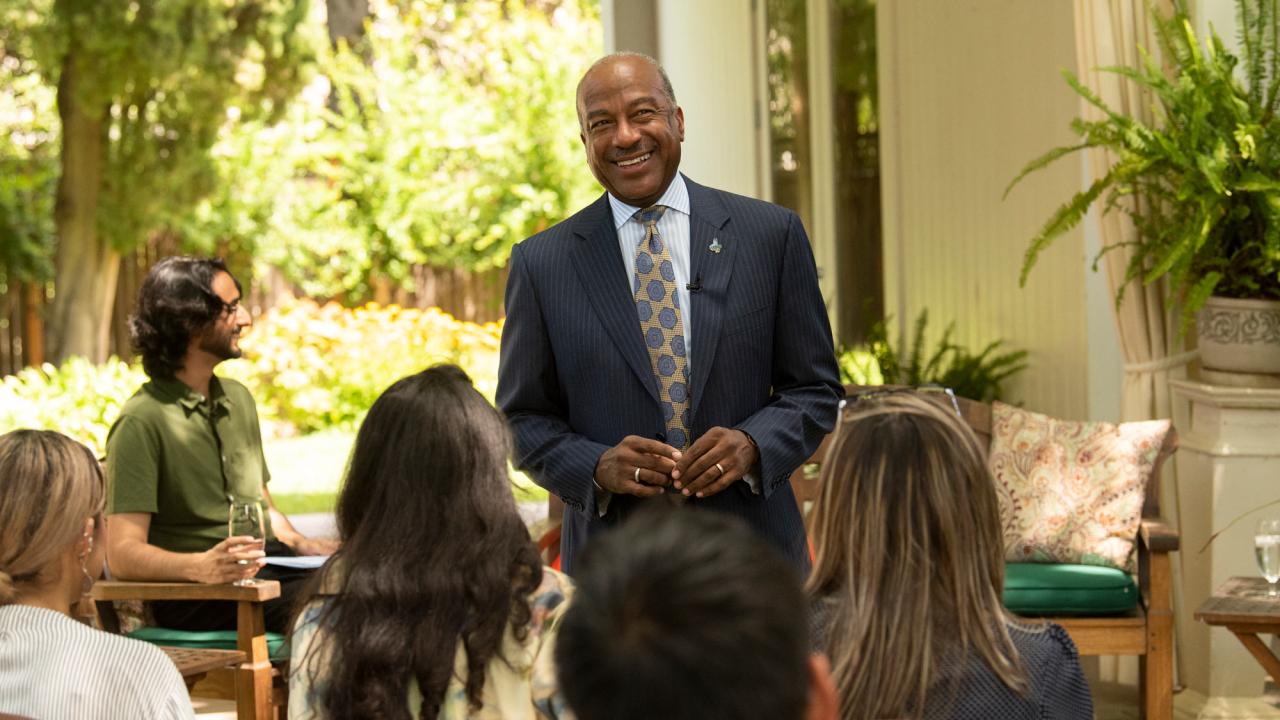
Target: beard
[221,344]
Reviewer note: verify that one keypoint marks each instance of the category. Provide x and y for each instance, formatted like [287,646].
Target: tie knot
[650,215]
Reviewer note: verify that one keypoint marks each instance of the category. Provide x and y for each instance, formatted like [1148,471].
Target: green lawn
[306,472]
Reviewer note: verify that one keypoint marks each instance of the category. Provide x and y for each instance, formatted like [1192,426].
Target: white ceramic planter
[1240,336]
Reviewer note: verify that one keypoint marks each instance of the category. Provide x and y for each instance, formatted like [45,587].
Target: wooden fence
[475,297]
[21,339]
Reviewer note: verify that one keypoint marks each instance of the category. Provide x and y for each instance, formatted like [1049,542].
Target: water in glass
[245,518]
[1266,548]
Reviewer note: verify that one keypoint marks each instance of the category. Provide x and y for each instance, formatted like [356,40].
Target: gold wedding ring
[720,468]
[637,475]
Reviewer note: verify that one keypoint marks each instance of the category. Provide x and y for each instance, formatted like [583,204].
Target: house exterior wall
[970,91]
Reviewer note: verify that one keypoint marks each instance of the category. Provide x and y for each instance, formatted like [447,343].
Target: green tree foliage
[142,89]
[28,153]
[450,136]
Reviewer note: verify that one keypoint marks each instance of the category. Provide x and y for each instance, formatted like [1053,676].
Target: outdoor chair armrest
[261,591]
[1157,535]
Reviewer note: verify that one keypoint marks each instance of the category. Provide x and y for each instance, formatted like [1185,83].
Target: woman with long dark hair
[907,576]
[436,605]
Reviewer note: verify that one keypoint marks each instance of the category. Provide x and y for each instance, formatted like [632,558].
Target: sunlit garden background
[364,170]
[363,166]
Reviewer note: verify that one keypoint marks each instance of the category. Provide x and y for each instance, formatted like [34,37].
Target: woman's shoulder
[131,675]
[156,679]
[1053,666]
[1042,642]
[551,599]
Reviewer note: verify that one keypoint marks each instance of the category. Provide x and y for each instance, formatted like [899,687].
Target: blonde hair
[909,557]
[49,484]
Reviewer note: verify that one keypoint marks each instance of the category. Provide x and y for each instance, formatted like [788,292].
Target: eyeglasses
[933,392]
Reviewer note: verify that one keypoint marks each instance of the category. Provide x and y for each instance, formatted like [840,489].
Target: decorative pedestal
[1228,465]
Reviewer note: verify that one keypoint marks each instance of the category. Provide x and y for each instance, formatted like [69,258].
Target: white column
[707,50]
[1228,466]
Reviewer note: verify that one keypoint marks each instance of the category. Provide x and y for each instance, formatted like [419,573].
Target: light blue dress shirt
[673,226]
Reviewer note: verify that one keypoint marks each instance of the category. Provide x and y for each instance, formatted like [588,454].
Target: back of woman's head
[49,484]
[430,459]
[908,548]
[434,551]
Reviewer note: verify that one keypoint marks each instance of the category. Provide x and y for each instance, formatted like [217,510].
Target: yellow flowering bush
[78,399]
[309,367]
[312,367]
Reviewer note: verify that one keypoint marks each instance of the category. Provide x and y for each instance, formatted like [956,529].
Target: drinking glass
[245,518]
[1266,548]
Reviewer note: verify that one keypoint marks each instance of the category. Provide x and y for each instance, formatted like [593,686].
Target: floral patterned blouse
[520,682]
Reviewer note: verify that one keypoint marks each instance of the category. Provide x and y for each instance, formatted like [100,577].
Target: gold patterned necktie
[658,308]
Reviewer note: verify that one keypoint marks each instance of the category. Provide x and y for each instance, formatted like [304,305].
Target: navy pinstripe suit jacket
[575,377]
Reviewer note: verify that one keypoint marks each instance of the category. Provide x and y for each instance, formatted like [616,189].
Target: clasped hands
[645,467]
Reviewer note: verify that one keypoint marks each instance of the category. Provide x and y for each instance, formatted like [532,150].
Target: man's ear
[680,122]
[823,704]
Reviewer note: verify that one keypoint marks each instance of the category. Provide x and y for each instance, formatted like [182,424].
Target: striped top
[52,666]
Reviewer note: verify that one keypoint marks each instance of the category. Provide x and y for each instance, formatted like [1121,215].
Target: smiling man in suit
[668,343]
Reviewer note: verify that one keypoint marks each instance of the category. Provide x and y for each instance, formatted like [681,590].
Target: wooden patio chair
[256,697]
[1145,631]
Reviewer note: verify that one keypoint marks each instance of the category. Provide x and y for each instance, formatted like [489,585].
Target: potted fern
[1208,172]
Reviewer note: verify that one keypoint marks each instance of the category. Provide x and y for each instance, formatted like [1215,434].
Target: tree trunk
[31,297]
[345,20]
[87,266]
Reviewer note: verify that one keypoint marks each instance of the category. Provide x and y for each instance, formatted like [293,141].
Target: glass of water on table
[245,518]
[1266,548]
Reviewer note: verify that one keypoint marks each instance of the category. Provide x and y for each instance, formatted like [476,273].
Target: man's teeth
[637,161]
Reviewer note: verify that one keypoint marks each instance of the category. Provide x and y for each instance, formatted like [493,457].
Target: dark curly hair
[176,302]
[434,554]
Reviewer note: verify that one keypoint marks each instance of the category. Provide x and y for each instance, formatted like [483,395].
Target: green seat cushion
[207,639]
[1050,589]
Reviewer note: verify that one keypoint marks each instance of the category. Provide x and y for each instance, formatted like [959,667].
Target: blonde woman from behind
[908,573]
[52,665]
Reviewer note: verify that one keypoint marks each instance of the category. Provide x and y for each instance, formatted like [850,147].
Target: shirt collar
[675,198]
[175,389]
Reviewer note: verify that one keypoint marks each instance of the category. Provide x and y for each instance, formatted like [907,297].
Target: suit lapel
[707,219]
[598,262]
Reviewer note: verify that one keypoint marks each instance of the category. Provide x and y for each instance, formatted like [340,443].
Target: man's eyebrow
[645,100]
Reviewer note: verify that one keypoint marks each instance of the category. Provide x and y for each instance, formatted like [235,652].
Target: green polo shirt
[179,457]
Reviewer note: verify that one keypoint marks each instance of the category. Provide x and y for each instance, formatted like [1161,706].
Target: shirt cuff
[602,499]
[752,477]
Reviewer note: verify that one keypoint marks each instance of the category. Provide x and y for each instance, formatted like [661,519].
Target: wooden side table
[1242,606]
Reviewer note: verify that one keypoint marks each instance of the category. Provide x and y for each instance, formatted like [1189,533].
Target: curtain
[1109,33]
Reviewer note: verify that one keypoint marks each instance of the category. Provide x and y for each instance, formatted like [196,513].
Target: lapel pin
[715,245]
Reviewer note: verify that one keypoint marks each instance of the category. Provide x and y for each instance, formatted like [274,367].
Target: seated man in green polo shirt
[186,446]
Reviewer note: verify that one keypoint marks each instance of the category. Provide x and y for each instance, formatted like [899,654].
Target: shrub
[309,367]
[312,367]
[978,376]
[79,399]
